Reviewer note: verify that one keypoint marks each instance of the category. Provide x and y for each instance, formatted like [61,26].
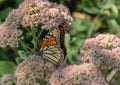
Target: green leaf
[18,60]
[7,67]
[81,25]
[1,1]
[18,2]
[90,7]
[0,22]
[115,11]
[4,13]
[104,4]
[67,40]
[22,54]
[117,82]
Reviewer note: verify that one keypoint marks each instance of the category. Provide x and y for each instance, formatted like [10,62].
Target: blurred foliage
[10,66]
[91,17]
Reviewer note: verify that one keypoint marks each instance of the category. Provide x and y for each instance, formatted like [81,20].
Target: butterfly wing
[52,53]
[50,47]
[49,41]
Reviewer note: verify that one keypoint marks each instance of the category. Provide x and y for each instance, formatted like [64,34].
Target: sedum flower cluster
[78,74]
[104,51]
[7,79]
[9,34]
[49,14]
[33,69]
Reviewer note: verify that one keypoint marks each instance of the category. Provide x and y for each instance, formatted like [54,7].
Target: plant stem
[25,46]
[34,37]
[40,33]
[111,75]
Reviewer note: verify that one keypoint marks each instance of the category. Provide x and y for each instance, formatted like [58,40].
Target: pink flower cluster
[81,74]
[32,69]
[7,79]
[9,34]
[104,51]
[50,15]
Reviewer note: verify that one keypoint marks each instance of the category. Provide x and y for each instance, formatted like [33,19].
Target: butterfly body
[62,35]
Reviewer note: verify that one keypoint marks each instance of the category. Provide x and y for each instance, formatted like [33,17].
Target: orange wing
[49,41]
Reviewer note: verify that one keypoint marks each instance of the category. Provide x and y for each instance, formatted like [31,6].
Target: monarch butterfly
[52,46]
